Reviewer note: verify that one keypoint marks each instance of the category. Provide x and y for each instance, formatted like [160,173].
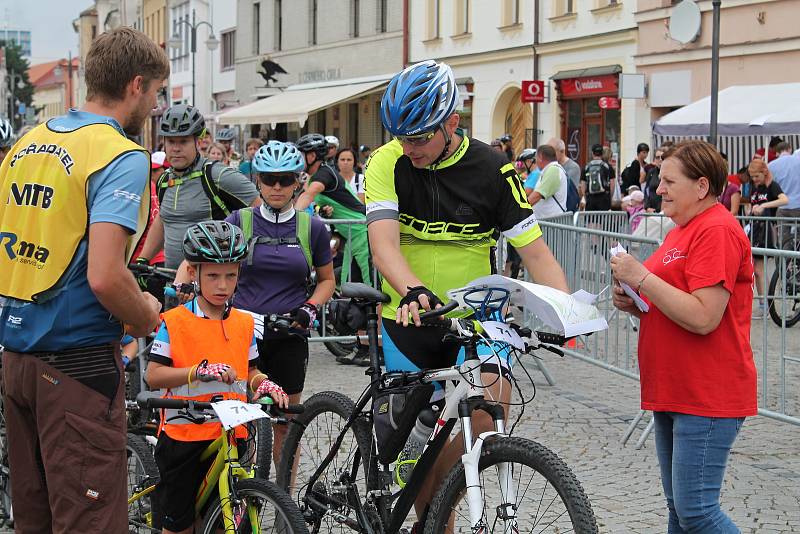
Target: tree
[17,65]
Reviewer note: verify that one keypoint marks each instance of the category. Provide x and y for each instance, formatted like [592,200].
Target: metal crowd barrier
[583,253]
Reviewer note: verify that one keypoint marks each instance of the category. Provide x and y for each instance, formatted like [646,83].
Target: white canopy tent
[297,102]
[743,110]
[748,116]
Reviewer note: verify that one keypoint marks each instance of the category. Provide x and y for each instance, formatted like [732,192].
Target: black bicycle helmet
[225,134]
[214,242]
[313,142]
[6,133]
[182,120]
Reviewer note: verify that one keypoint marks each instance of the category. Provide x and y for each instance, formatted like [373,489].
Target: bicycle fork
[507,509]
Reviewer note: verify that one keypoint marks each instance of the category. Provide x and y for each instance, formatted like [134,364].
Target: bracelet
[639,287]
[189,378]
[254,379]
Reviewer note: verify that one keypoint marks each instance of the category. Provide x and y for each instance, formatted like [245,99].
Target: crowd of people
[249,234]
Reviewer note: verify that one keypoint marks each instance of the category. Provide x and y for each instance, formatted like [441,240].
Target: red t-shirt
[712,375]
[159,257]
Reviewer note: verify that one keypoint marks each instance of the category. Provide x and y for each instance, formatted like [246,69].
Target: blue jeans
[693,452]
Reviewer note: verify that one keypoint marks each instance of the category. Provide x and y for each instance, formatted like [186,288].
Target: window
[462,17]
[382,16]
[511,13]
[433,18]
[228,50]
[313,32]
[256,28]
[355,9]
[564,7]
[278,24]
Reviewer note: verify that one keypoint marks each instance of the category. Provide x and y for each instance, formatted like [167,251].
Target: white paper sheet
[232,413]
[569,315]
[641,304]
[502,332]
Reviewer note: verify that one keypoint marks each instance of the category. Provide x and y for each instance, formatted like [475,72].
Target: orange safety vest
[193,339]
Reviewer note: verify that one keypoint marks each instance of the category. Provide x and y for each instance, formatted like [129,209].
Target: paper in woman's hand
[641,304]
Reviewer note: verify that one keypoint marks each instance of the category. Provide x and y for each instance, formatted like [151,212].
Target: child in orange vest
[203,349]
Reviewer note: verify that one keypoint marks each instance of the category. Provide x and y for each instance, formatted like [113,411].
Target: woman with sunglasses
[274,278]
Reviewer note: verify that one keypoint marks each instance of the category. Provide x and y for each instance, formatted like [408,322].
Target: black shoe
[345,360]
[361,357]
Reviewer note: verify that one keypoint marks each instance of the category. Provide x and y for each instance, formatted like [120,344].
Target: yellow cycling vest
[44,183]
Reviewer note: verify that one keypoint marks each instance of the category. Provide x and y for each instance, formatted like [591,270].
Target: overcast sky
[50,22]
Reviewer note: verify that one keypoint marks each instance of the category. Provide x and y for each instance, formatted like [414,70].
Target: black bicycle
[784,287]
[339,468]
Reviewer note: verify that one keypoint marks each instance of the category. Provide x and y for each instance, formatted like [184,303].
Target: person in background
[333,146]
[652,200]
[634,205]
[250,148]
[364,151]
[225,137]
[505,140]
[634,174]
[598,183]
[742,177]
[696,366]
[203,142]
[158,164]
[731,197]
[527,169]
[218,152]
[572,169]
[549,197]
[766,197]
[345,162]
[6,138]
[496,144]
[772,153]
[786,171]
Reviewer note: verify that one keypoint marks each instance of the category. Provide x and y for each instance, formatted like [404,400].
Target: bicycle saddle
[353,290]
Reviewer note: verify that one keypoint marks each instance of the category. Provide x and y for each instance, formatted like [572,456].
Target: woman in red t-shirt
[695,361]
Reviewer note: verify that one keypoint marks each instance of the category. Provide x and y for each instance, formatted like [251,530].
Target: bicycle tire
[777,302]
[6,509]
[260,447]
[142,470]
[328,410]
[286,520]
[521,452]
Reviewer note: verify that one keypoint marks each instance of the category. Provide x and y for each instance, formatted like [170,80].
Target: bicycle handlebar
[159,272]
[438,312]
[157,403]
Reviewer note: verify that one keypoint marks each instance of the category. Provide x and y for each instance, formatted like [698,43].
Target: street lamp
[14,81]
[175,42]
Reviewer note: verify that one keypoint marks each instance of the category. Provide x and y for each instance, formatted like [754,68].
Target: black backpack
[222,202]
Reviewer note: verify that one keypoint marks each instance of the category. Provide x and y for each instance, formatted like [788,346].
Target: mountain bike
[784,286]
[330,462]
[233,499]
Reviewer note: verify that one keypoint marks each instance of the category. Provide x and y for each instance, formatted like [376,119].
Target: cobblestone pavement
[583,418]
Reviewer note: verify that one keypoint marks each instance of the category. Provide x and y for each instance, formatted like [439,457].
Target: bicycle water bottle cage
[487,302]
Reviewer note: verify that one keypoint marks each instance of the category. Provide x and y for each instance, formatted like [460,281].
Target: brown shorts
[66,444]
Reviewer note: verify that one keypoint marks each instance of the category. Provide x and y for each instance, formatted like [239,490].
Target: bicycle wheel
[310,438]
[784,295]
[548,496]
[258,506]
[6,511]
[142,473]
[259,447]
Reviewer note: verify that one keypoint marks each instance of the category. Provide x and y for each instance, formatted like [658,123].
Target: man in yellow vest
[74,201]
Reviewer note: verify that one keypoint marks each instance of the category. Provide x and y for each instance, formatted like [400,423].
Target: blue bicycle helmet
[419,98]
[214,242]
[276,156]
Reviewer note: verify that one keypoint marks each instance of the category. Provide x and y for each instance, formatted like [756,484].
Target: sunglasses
[416,140]
[285,180]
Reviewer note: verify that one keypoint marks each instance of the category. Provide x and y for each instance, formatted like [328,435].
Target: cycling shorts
[285,361]
[413,349]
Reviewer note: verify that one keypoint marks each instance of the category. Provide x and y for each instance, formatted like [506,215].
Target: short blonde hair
[250,142]
[117,57]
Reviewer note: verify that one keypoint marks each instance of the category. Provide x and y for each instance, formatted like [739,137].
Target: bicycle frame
[223,469]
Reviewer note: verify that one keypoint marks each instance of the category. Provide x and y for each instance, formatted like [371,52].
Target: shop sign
[608,102]
[592,85]
[532,91]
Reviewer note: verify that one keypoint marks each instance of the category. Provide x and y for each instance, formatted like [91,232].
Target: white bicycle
[333,466]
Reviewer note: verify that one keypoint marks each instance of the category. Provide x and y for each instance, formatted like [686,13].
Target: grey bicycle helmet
[182,120]
[6,133]
[226,134]
[332,140]
[214,242]
[313,142]
[527,154]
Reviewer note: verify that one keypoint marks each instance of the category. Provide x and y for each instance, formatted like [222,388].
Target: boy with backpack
[597,182]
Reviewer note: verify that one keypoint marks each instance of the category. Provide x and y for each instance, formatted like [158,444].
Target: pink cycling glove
[268,387]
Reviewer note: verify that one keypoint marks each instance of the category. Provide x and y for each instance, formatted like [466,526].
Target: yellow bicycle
[234,500]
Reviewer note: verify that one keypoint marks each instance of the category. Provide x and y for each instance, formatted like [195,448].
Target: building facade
[154,25]
[55,87]
[319,44]
[20,37]
[223,58]
[189,81]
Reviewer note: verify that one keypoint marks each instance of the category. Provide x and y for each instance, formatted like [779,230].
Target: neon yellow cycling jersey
[450,213]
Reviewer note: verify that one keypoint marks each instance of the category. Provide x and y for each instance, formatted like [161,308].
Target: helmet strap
[447,141]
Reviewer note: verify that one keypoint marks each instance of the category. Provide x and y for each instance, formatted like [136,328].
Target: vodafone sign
[590,85]
[532,91]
